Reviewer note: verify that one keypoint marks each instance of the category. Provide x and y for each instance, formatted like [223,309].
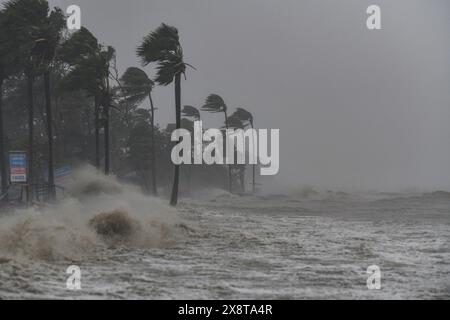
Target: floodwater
[230,247]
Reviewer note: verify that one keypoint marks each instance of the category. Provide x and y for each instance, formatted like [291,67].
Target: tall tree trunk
[48,111]
[97,132]
[253,178]
[253,165]
[106,112]
[242,177]
[176,176]
[229,166]
[30,80]
[2,146]
[153,156]
[106,108]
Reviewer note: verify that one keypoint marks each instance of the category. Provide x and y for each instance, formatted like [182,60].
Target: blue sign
[18,167]
[63,171]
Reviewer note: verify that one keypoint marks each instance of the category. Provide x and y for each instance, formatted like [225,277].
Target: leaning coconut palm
[136,86]
[163,48]
[247,120]
[27,20]
[215,104]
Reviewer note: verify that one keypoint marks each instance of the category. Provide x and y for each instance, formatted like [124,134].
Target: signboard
[63,172]
[18,166]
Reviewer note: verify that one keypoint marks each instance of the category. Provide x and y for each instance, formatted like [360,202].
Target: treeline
[64,101]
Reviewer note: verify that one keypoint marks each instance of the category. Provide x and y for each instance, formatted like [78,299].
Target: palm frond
[244,116]
[162,47]
[235,122]
[214,103]
[136,85]
[78,46]
[158,44]
[190,111]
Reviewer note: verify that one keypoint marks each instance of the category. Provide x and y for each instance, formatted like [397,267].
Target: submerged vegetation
[64,101]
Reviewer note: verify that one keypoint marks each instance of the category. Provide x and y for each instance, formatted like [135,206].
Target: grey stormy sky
[356,108]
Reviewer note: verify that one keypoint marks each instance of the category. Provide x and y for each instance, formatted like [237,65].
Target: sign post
[18,167]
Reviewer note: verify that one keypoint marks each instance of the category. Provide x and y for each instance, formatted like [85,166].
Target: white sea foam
[97,212]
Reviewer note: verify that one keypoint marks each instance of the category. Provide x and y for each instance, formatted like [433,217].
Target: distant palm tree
[194,113]
[235,122]
[215,104]
[247,120]
[163,47]
[137,87]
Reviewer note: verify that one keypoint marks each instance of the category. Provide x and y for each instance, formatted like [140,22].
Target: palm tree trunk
[2,146]
[242,177]
[229,166]
[253,165]
[30,80]
[153,156]
[107,142]
[97,132]
[48,111]
[176,177]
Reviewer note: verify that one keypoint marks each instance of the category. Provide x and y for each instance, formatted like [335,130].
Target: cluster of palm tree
[38,51]
[30,33]
[240,119]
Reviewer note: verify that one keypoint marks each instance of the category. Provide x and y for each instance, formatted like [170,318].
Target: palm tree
[90,65]
[51,34]
[136,86]
[105,58]
[191,112]
[27,20]
[247,120]
[8,67]
[215,104]
[78,52]
[163,48]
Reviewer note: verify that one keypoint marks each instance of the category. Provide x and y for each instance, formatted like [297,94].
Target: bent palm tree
[28,20]
[215,104]
[191,112]
[235,122]
[136,87]
[163,48]
[8,67]
[247,120]
[76,52]
[51,34]
[90,65]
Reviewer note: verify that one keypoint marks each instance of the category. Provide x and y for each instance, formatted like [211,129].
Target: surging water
[250,247]
[99,212]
